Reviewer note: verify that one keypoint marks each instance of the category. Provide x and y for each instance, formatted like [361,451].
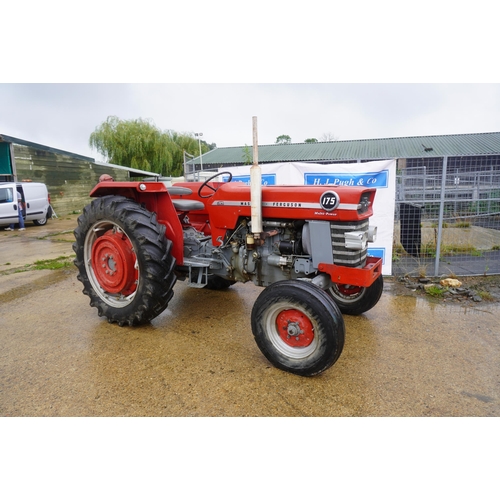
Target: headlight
[356,240]
[364,203]
[372,234]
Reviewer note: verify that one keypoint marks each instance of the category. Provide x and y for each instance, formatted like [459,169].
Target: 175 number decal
[329,200]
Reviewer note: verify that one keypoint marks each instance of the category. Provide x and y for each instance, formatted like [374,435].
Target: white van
[36,202]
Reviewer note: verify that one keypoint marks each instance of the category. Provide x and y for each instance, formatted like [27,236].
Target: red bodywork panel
[352,275]
[155,198]
[232,201]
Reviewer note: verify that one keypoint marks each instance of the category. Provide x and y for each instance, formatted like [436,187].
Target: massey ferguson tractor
[307,245]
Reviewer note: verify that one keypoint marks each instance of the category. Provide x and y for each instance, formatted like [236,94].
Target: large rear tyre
[298,327]
[355,300]
[123,260]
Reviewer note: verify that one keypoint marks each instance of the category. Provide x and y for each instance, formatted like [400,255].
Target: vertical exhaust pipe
[256,186]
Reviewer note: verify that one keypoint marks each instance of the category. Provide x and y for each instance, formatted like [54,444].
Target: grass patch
[62,262]
[57,263]
[59,233]
[463,224]
[435,291]
[486,296]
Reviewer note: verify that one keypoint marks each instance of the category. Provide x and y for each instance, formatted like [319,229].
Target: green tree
[311,140]
[328,137]
[283,139]
[247,155]
[183,142]
[140,144]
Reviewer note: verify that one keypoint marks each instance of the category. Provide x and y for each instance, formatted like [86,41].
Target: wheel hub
[114,263]
[348,290]
[295,328]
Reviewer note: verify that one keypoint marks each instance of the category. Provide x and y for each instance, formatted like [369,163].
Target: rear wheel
[356,300]
[298,327]
[218,283]
[40,222]
[124,260]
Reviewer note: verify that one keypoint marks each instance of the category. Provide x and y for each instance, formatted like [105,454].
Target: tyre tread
[156,263]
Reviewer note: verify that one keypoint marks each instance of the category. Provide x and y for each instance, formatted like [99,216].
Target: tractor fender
[155,197]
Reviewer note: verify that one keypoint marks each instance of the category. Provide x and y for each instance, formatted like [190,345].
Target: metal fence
[447,219]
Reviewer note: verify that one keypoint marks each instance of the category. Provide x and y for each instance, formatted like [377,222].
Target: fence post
[441,213]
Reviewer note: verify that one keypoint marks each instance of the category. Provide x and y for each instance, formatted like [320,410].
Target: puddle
[34,284]
[425,305]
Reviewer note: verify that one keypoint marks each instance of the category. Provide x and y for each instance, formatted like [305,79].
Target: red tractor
[307,245]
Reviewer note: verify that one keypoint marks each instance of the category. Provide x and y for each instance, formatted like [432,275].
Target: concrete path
[406,357]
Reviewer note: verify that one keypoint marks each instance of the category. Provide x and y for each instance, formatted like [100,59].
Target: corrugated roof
[22,142]
[364,149]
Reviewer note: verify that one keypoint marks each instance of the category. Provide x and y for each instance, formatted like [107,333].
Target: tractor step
[200,278]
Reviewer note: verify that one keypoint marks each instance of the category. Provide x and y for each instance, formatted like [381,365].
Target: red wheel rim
[295,328]
[348,290]
[113,262]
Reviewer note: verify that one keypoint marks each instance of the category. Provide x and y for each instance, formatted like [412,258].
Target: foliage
[328,137]
[140,144]
[487,205]
[283,139]
[435,290]
[311,140]
[247,155]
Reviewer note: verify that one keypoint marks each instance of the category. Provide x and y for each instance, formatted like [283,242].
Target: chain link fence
[447,219]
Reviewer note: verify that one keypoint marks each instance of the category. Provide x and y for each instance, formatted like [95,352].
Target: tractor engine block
[285,250]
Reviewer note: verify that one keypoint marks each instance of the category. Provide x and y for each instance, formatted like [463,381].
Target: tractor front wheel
[298,327]
[123,260]
[355,300]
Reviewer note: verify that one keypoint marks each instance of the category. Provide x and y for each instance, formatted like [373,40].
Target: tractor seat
[179,190]
[184,205]
[188,205]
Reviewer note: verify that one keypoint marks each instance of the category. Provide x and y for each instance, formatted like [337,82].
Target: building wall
[69,180]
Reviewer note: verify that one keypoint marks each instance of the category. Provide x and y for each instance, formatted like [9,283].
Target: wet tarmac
[409,356]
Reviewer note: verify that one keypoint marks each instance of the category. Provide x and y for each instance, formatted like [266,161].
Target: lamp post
[199,135]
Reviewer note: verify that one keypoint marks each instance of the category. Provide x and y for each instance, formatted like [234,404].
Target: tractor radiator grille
[347,256]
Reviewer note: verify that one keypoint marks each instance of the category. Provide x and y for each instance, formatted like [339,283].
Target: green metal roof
[363,149]
[22,142]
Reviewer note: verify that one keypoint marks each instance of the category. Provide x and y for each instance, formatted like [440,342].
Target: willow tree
[140,144]
[188,143]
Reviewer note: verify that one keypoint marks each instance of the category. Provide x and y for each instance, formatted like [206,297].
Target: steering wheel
[205,184]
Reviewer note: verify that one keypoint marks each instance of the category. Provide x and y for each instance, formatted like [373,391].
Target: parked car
[36,202]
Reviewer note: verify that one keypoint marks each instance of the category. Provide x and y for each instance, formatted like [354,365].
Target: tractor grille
[347,256]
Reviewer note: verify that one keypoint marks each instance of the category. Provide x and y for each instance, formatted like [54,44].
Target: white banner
[378,174]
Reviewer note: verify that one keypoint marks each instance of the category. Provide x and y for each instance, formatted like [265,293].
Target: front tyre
[123,260]
[355,300]
[298,327]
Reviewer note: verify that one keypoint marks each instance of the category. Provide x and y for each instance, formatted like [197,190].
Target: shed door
[5,166]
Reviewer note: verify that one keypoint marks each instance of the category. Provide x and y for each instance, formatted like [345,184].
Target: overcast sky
[227,41]
[64,115]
